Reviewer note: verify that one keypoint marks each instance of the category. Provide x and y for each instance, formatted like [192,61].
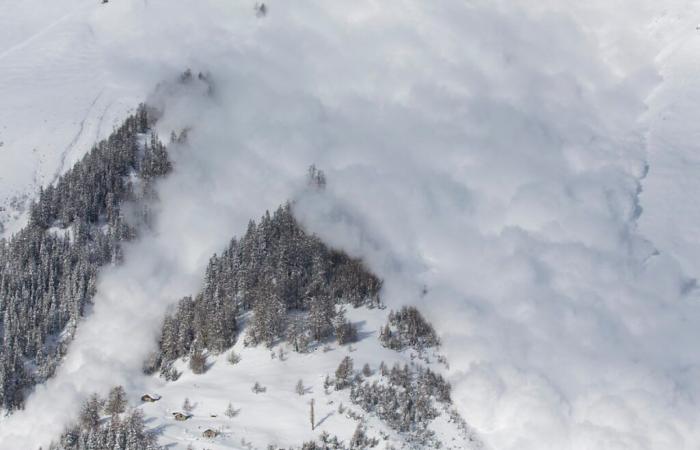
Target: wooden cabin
[210,434]
[150,398]
[181,417]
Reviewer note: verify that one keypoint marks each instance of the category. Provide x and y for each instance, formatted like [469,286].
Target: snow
[671,217]
[278,416]
[504,170]
[58,98]
[62,232]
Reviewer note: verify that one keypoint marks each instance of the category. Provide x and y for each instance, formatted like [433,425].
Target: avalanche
[521,171]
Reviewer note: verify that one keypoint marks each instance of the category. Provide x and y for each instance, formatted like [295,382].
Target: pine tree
[47,279]
[116,401]
[290,282]
[230,412]
[90,412]
[198,362]
[343,373]
[299,388]
[258,388]
[327,384]
[233,358]
[316,177]
[187,406]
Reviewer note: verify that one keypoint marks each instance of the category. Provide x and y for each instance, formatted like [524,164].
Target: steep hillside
[49,269]
[58,98]
[283,321]
[521,171]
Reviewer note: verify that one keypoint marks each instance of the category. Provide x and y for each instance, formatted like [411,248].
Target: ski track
[41,33]
[76,139]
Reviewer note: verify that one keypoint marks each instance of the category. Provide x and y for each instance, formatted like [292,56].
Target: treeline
[48,270]
[287,285]
[358,441]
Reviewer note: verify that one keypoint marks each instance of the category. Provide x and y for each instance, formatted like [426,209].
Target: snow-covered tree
[187,406]
[48,278]
[299,388]
[230,412]
[116,401]
[343,374]
[90,412]
[198,362]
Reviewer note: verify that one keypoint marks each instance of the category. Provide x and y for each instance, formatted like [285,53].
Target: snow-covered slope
[280,416]
[58,98]
[530,165]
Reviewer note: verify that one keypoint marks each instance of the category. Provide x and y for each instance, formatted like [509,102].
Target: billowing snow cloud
[489,154]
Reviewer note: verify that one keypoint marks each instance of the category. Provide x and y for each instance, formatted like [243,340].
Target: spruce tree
[116,401]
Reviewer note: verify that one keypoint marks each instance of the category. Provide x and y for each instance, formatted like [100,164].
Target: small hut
[210,434]
[150,398]
[181,417]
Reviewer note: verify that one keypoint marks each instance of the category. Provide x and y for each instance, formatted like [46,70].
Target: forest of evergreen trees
[120,430]
[48,270]
[286,284]
[408,328]
[277,282]
[404,397]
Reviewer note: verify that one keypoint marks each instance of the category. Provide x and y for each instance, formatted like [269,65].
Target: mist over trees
[277,283]
[48,270]
[121,431]
[287,283]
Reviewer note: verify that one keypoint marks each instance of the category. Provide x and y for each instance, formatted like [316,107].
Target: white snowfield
[57,96]
[280,416]
[532,164]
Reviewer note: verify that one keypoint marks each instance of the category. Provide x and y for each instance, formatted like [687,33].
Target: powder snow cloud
[492,153]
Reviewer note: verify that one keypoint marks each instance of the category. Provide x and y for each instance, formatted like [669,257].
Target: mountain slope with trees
[286,283]
[48,270]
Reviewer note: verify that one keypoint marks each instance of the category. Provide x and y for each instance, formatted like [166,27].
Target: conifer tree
[343,373]
[230,412]
[116,401]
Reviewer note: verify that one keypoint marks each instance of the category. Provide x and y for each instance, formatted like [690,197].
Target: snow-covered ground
[503,168]
[280,416]
[57,97]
